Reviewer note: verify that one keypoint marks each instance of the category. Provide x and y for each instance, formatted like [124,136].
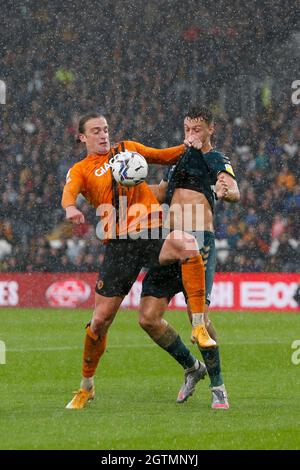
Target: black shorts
[123,260]
[165,281]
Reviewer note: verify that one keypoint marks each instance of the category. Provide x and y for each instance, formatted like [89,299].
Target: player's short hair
[195,112]
[83,120]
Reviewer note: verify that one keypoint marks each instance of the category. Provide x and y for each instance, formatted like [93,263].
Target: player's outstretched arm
[166,156]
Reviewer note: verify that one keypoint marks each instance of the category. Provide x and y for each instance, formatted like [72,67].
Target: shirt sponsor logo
[103,169]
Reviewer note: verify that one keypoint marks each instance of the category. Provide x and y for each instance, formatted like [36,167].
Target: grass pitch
[137,385]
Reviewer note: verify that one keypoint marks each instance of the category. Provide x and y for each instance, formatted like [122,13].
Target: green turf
[137,384]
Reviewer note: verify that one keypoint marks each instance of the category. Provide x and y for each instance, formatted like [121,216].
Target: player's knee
[148,321]
[189,247]
[101,323]
[145,322]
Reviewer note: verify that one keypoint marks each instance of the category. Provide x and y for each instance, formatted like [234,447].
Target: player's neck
[97,154]
[207,147]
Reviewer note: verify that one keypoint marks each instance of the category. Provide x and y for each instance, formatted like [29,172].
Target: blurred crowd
[141,64]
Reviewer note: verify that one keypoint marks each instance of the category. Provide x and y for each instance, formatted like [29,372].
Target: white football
[129,168]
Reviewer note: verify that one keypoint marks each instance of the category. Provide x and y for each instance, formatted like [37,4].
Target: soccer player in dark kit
[201,175]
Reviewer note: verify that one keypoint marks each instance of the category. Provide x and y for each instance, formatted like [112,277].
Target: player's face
[197,128]
[96,136]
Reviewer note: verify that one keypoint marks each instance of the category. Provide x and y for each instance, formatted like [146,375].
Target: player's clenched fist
[221,187]
[193,142]
[74,215]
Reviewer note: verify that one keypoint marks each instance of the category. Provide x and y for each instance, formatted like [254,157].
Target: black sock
[181,353]
[211,359]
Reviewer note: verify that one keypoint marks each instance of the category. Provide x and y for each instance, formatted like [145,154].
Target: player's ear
[81,138]
[211,128]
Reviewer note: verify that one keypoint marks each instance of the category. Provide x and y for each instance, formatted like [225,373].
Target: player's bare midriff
[190,210]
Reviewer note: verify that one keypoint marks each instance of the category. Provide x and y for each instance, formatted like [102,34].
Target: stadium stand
[141,70]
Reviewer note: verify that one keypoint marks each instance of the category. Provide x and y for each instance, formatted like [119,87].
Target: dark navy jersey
[197,171]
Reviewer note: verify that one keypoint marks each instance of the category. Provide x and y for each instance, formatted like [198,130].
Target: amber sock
[93,350]
[193,279]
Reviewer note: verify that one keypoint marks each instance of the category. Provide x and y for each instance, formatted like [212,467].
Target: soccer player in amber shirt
[124,257]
